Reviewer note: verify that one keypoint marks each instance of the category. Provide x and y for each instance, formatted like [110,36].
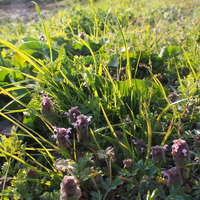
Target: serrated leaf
[118,181]
[96,195]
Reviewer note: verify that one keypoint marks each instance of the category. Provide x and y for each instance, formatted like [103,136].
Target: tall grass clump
[103,105]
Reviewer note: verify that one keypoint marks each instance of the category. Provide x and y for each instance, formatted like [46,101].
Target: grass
[131,65]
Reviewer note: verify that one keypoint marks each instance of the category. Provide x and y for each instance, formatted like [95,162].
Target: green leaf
[88,59]
[21,187]
[117,181]
[4,76]
[169,52]
[29,119]
[37,8]
[37,49]
[96,195]
[88,173]
[34,45]
[82,162]
[5,62]
[113,62]
[138,85]
[28,39]
[50,195]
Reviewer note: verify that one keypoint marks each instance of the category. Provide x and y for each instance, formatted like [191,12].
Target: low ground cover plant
[101,102]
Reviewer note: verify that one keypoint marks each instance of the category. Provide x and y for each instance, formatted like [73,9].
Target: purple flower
[69,188]
[128,120]
[173,96]
[42,37]
[46,104]
[181,16]
[140,145]
[158,153]
[181,153]
[82,35]
[62,137]
[123,70]
[81,126]
[173,176]
[82,121]
[73,114]
[54,136]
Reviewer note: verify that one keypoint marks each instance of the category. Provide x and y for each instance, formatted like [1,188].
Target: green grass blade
[25,163]
[41,68]
[46,32]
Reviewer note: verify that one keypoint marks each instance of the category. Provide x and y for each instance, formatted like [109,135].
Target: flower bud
[173,96]
[46,104]
[42,38]
[173,177]
[158,153]
[128,120]
[81,126]
[82,35]
[73,114]
[181,153]
[69,190]
[140,145]
[62,137]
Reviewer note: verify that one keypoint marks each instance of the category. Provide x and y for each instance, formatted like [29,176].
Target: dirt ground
[25,11]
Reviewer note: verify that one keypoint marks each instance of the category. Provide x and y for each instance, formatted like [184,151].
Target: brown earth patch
[25,12]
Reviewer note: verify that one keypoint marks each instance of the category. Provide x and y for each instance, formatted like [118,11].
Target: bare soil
[25,12]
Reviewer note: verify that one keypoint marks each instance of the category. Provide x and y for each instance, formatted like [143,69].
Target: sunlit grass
[130,57]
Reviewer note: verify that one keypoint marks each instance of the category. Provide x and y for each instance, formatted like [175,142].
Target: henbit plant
[126,90]
[180,152]
[158,153]
[69,190]
[174,177]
